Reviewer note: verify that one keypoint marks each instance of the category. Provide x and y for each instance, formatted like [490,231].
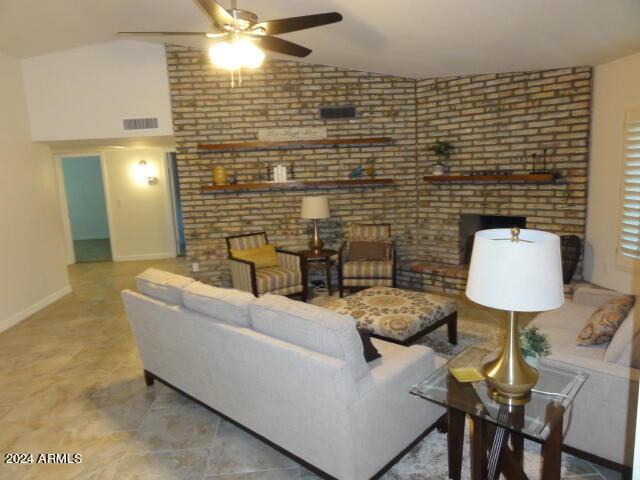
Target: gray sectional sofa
[291,373]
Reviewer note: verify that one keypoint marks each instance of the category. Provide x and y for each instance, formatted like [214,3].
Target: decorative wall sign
[293,133]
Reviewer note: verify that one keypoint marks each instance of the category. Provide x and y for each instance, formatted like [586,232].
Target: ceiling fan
[239,35]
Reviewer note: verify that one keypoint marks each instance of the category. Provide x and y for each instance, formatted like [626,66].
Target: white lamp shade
[315,207]
[523,276]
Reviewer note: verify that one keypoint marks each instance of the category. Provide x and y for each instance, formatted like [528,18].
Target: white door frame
[173,195]
[64,206]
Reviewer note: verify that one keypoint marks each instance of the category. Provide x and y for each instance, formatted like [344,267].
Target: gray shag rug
[438,340]
[428,460]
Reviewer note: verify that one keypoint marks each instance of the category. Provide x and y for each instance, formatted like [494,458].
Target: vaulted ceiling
[414,38]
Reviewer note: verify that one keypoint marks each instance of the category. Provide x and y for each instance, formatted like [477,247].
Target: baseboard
[30,310]
[143,256]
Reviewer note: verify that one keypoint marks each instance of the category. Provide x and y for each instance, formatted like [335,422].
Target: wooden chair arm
[288,252]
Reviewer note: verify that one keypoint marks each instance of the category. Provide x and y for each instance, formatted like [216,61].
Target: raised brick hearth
[495,121]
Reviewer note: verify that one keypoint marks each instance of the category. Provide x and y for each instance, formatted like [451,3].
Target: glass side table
[497,431]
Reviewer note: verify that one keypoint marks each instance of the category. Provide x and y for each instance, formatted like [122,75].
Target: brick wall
[496,122]
[288,94]
[493,120]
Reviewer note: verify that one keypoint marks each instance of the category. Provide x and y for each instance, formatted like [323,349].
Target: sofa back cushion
[310,327]
[622,338]
[630,356]
[594,296]
[161,285]
[226,304]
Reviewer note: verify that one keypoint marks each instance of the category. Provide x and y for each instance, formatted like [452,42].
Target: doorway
[181,243]
[87,208]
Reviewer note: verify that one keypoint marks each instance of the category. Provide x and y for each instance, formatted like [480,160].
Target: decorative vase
[219,175]
[532,361]
[570,247]
[438,169]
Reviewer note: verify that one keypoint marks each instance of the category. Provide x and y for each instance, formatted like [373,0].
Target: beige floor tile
[235,451]
[72,382]
[285,474]
[182,465]
[177,428]
[98,454]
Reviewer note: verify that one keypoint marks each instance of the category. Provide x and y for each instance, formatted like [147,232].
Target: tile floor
[71,382]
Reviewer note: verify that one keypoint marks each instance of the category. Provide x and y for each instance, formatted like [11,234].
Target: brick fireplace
[470,223]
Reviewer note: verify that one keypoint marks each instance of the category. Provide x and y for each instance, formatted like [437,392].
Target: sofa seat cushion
[263,257]
[272,279]
[368,269]
[310,327]
[226,304]
[603,323]
[161,285]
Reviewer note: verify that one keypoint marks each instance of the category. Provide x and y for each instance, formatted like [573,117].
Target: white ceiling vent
[140,123]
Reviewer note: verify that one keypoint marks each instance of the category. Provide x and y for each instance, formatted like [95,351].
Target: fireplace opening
[470,223]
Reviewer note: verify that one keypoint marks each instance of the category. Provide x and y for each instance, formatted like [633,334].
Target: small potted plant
[534,345]
[442,150]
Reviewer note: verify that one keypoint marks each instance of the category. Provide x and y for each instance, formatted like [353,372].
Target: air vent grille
[338,113]
[140,123]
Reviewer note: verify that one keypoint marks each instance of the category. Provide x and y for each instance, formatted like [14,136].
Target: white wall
[616,88]
[32,261]
[140,213]
[86,92]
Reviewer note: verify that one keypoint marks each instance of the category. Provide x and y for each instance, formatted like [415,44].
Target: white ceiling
[414,38]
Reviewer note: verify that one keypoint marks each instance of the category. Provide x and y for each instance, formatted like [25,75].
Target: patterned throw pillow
[604,322]
[263,257]
[363,250]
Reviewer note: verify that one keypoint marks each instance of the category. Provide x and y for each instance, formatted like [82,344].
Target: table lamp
[517,271]
[315,208]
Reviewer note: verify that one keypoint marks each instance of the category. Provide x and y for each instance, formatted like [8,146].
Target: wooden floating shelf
[526,178]
[297,144]
[299,185]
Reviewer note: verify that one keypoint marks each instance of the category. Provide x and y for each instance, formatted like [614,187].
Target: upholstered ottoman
[399,316]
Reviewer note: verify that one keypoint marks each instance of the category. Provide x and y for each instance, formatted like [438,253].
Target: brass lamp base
[315,244]
[509,376]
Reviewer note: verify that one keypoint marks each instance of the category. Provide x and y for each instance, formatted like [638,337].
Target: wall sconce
[146,172]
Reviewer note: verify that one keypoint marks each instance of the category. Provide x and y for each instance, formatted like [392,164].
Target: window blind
[630,227]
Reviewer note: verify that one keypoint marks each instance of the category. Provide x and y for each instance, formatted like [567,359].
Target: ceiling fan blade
[292,24]
[279,45]
[197,34]
[217,12]
[200,40]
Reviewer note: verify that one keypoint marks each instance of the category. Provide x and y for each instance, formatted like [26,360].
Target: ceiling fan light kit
[236,54]
[241,37]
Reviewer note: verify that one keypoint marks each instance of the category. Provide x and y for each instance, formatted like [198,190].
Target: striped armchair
[368,273]
[288,278]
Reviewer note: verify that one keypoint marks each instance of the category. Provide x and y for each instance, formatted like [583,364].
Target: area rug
[428,460]
[438,340]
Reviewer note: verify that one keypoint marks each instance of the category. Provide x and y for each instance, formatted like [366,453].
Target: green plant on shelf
[533,343]
[441,149]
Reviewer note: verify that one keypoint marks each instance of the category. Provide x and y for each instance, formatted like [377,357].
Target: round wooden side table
[321,260]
